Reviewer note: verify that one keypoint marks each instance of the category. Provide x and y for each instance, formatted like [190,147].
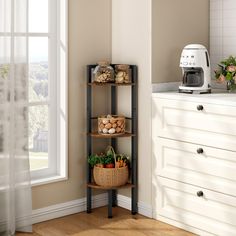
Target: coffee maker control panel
[185,63]
[189,60]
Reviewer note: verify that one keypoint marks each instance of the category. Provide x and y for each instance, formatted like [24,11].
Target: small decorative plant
[108,160]
[226,72]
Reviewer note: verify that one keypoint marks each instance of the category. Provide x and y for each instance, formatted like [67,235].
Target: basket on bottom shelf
[109,169]
[111,177]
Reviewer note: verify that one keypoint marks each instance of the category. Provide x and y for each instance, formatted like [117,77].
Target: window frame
[58,95]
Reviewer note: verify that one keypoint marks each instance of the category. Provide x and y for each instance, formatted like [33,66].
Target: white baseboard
[124,202]
[76,206]
[67,208]
[143,208]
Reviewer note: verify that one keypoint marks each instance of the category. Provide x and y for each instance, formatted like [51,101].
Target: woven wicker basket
[111,177]
[111,125]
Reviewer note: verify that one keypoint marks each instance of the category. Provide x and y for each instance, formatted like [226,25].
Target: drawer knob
[200,107]
[199,150]
[200,193]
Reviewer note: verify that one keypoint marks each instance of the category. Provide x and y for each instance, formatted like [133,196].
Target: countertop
[220,97]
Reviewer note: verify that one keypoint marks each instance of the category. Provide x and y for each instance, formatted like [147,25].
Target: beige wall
[90,37]
[131,44]
[89,41]
[176,23]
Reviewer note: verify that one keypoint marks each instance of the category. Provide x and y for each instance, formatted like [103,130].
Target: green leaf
[229,61]
[229,76]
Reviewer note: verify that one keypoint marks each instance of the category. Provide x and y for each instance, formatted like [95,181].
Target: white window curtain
[15,189]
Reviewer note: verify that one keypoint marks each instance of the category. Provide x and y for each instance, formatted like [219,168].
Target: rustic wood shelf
[95,117]
[93,185]
[92,136]
[97,135]
[110,84]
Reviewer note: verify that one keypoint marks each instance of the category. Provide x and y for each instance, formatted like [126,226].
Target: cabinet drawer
[213,212]
[215,125]
[213,169]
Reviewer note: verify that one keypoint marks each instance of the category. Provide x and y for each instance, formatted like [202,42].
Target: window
[47,54]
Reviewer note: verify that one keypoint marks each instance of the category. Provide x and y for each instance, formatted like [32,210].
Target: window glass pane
[5,16]
[20,16]
[38,137]
[38,69]
[20,50]
[5,50]
[38,16]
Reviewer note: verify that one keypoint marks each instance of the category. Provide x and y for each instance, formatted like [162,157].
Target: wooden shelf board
[95,117]
[93,185]
[97,135]
[110,84]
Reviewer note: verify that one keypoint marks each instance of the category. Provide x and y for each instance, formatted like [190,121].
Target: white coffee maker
[195,64]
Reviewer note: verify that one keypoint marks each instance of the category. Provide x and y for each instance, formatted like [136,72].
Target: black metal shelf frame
[112,193]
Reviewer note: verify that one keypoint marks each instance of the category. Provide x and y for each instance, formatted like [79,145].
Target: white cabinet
[213,212]
[208,124]
[194,162]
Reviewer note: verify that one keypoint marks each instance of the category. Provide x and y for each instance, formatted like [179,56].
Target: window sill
[48,180]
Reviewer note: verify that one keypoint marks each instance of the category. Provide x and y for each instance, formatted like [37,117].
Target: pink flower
[231,68]
[221,79]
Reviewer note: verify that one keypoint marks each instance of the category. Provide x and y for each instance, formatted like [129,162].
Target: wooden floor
[97,224]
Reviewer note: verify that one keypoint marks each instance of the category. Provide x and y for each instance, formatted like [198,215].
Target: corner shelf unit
[91,136]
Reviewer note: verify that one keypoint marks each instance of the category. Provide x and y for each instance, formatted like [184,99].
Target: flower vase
[231,86]
[228,86]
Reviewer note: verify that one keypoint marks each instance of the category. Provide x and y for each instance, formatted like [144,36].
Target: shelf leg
[114,198]
[134,207]
[110,203]
[89,140]
[89,200]
[134,176]
[134,192]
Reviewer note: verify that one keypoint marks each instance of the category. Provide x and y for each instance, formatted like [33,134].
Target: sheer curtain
[15,189]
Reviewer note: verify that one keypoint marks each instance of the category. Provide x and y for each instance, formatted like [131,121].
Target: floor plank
[97,224]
